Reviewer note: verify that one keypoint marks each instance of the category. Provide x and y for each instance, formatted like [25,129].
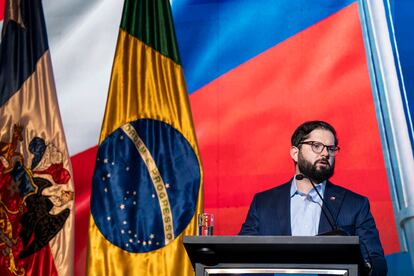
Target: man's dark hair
[303,131]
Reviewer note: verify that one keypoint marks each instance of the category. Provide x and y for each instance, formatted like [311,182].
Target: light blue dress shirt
[305,210]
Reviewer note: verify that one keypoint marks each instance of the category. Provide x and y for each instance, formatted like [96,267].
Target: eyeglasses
[318,147]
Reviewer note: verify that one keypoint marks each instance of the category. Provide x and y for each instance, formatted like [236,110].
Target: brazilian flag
[147,185]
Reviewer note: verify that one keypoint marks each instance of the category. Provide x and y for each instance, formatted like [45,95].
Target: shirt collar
[312,193]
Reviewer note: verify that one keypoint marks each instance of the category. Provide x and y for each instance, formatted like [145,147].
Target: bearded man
[296,208]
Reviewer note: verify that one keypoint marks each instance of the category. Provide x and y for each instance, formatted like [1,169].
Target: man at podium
[309,204]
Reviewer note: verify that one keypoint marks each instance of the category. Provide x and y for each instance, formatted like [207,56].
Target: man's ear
[294,151]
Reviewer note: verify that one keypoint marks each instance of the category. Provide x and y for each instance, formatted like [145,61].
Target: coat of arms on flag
[31,211]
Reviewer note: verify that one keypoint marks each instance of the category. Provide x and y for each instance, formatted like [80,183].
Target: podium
[227,255]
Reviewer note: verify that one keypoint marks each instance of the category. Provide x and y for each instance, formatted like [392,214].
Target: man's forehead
[321,135]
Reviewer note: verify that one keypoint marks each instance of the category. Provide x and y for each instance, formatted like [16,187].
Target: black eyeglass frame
[332,150]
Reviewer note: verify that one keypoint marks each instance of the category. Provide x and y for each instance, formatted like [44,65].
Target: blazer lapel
[333,198]
[282,200]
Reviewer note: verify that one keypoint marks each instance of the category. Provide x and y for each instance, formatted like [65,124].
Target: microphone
[335,229]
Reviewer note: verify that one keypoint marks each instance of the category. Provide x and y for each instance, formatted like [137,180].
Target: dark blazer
[269,215]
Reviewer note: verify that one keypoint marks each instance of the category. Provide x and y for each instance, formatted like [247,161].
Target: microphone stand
[336,231]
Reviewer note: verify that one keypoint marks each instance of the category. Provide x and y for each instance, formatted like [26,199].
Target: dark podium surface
[274,251]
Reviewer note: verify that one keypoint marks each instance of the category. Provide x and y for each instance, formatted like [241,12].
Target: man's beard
[311,170]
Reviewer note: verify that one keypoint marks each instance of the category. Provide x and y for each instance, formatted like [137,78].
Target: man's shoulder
[347,192]
[275,190]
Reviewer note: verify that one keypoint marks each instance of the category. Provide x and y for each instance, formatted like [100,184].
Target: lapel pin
[332,198]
